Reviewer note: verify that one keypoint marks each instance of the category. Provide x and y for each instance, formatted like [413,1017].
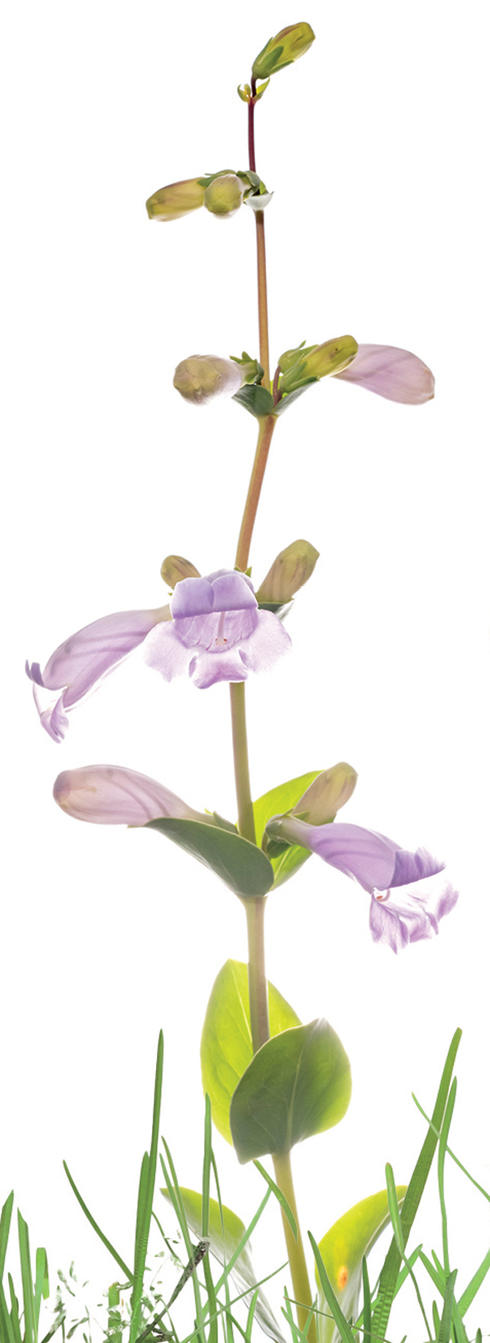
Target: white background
[375,148]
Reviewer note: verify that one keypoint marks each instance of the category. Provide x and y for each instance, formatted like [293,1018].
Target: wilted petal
[83,659]
[111,795]
[392,373]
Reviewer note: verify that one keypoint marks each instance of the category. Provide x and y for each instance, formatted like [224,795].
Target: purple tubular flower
[111,795]
[81,662]
[217,632]
[392,373]
[397,916]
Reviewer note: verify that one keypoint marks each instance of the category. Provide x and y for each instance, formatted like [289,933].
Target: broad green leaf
[298,1084]
[225,1231]
[226,1043]
[238,862]
[274,803]
[255,399]
[342,1251]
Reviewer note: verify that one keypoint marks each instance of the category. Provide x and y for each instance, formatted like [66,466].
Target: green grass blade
[405,1269]
[245,1238]
[14,1311]
[206,1167]
[450,1153]
[145,1198]
[95,1227]
[441,1157]
[173,1189]
[250,1317]
[281,1198]
[474,1285]
[400,1239]
[344,1329]
[6,1329]
[5,1220]
[26,1278]
[366,1295]
[391,1266]
[41,1286]
[444,1334]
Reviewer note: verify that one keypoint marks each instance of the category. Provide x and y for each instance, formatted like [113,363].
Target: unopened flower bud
[175,568]
[290,570]
[326,795]
[202,376]
[319,361]
[175,200]
[224,194]
[281,50]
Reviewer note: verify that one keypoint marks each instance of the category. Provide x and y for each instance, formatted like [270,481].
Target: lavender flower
[397,916]
[212,629]
[112,795]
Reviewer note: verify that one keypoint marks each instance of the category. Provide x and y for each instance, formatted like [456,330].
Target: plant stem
[246,824]
[261,261]
[266,430]
[257,982]
[295,1248]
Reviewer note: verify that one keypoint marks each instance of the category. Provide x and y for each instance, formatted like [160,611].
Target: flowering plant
[271,1081]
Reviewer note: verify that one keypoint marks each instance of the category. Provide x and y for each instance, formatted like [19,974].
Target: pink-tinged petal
[206,669]
[165,652]
[111,795]
[414,867]
[392,373]
[386,927]
[82,660]
[446,902]
[267,642]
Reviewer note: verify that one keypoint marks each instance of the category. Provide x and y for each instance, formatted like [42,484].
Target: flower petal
[386,927]
[392,373]
[206,669]
[111,795]
[414,867]
[165,652]
[268,640]
[362,854]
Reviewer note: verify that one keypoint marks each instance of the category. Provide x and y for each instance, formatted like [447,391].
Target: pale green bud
[326,795]
[179,198]
[202,376]
[318,361]
[290,570]
[224,194]
[280,50]
[175,568]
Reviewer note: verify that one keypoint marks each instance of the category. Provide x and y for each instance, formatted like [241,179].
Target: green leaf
[289,397]
[343,1249]
[274,803]
[226,1043]
[298,1084]
[225,1231]
[238,862]
[255,399]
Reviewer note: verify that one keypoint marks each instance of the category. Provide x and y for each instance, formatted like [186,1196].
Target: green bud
[281,50]
[290,358]
[175,200]
[326,795]
[202,376]
[175,568]
[318,361]
[290,570]
[251,370]
[224,194]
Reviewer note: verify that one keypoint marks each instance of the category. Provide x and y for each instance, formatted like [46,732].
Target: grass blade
[441,1157]
[5,1219]
[446,1317]
[344,1329]
[6,1331]
[41,1287]
[391,1266]
[473,1286]
[26,1278]
[145,1198]
[281,1198]
[366,1293]
[95,1226]
[450,1153]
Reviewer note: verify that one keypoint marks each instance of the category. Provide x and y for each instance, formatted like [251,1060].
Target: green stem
[257,982]
[295,1248]
[266,430]
[246,823]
